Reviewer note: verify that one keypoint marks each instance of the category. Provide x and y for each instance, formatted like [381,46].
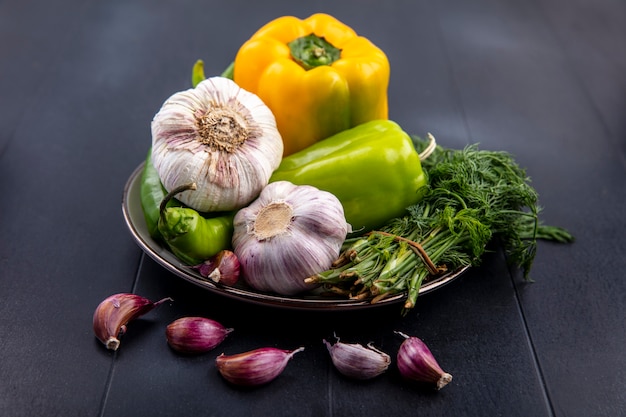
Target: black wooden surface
[79,84]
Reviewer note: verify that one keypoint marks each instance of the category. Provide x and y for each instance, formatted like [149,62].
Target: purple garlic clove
[417,363]
[195,334]
[114,312]
[255,367]
[222,268]
[356,361]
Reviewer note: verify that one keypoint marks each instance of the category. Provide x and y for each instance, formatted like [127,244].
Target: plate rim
[159,254]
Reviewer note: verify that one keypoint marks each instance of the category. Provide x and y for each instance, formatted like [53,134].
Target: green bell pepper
[373,169]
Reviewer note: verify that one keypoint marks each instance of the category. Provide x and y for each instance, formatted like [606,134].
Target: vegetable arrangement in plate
[289,162]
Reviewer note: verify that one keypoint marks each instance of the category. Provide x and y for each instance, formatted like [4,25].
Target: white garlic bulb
[222,138]
[288,234]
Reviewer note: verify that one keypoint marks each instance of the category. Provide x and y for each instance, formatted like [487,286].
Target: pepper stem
[313,51]
[173,193]
[432,145]
[197,73]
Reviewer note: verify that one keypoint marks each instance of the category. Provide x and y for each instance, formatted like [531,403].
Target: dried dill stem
[473,196]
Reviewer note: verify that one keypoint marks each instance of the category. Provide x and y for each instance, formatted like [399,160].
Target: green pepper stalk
[311,51]
[190,236]
[197,72]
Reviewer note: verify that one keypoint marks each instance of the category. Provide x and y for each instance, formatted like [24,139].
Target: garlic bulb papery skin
[195,334]
[222,268]
[288,234]
[357,361]
[416,362]
[222,138]
[255,367]
[114,313]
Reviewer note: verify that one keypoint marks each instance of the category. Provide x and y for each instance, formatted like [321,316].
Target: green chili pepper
[197,72]
[373,169]
[190,236]
[151,193]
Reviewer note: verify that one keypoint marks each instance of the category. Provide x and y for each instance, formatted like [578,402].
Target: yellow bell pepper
[316,75]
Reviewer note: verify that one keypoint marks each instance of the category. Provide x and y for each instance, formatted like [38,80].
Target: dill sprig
[472,197]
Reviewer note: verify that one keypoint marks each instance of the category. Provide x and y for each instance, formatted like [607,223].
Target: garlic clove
[223,268]
[115,312]
[255,367]
[222,138]
[195,334]
[357,361]
[417,363]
